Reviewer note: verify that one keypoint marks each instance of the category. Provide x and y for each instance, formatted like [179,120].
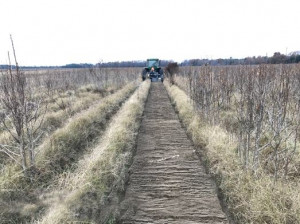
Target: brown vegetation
[77,106]
[84,192]
[246,117]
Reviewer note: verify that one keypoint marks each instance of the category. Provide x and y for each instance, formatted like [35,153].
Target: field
[209,145]
[72,108]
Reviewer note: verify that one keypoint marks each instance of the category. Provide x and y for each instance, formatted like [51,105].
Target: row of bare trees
[24,96]
[259,104]
[72,79]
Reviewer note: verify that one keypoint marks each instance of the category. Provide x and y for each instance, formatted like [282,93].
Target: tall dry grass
[58,152]
[85,190]
[62,147]
[65,145]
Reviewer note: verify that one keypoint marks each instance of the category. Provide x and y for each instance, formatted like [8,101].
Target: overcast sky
[58,32]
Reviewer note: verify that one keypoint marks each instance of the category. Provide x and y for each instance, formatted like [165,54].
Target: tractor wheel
[161,71]
[144,74]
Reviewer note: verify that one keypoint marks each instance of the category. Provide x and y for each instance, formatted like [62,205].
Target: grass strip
[66,144]
[103,168]
[63,148]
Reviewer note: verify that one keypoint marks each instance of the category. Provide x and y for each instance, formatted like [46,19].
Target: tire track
[167,183]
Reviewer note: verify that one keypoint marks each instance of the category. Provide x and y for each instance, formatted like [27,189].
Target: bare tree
[21,116]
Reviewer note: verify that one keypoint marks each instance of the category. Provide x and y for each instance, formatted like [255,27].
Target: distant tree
[294,58]
[278,58]
[78,65]
[171,70]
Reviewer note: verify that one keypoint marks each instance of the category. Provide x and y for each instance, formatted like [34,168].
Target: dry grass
[250,198]
[59,111]
[53,120]
[65,145]
[57,116]
[69,86]
[71,94]
[97,172]
[59,152]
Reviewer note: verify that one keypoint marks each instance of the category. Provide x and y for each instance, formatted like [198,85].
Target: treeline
[113,64]
[277,58]
[73,65]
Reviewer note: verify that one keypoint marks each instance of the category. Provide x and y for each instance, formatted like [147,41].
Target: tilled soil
[168,183]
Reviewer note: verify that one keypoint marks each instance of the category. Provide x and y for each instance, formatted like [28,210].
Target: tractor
[153,71]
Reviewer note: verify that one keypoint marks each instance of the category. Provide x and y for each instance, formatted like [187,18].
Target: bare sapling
[283,123]
[21,116]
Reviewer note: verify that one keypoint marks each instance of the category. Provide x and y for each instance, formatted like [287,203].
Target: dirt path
[167,182]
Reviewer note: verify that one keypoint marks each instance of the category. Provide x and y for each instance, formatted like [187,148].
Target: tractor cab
[152,63]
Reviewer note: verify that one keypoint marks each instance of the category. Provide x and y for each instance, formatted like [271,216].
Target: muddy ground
[168,183]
